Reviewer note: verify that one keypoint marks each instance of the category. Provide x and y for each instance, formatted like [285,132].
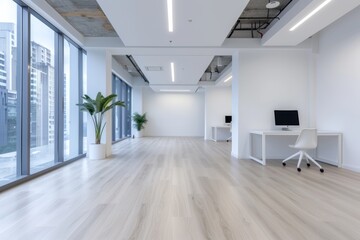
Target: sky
[7,11]
[40,33]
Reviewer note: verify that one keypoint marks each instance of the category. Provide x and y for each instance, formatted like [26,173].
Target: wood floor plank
[179,189]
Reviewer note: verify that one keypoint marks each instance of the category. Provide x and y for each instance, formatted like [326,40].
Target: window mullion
[23,149]
[59,98]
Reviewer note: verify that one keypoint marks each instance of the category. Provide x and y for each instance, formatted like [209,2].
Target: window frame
[23,88]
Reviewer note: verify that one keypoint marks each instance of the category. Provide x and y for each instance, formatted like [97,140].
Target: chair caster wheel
[299,169]
[321,170]
[284,164]
[308,164]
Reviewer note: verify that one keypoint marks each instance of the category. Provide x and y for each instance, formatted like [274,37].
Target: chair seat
[295,147]
[306,140]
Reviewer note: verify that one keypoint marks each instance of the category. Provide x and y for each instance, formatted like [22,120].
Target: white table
[220,133]
[265,134]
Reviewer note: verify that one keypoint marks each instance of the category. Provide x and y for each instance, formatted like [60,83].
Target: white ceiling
[175,88]
[196,23]
[280,35]
[145,23]
[188,69]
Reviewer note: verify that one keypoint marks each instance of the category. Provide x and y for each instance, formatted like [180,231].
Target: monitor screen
[286,117]
[228,119]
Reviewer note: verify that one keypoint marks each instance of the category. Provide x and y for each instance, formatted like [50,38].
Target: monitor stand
[285,128]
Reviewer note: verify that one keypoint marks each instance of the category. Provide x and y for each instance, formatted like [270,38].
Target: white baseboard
[335,163]
[351,167]
[234,155]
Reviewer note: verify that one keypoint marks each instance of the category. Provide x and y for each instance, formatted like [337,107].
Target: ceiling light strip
[172,72]
[175,90]
[170,15]
[310,15]
[227,79]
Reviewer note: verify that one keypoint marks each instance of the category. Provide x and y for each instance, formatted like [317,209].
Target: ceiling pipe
[131,59]
[268,20]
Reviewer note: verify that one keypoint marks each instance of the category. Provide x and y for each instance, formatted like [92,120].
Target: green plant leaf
[139,121]
[96,109]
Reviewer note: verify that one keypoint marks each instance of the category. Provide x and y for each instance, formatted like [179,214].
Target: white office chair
[229,138]
[307,140]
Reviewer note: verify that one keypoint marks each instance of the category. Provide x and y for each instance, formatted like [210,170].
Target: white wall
[217,105]
[338,83]
[137,106]
[268,80]
[173,114]
[121,72]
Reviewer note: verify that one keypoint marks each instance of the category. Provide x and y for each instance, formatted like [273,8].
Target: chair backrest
[307,139]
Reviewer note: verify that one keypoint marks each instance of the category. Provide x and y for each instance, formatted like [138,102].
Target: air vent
[153,68]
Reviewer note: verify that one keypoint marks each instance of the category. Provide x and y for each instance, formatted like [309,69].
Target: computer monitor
[228,119]
[286,118]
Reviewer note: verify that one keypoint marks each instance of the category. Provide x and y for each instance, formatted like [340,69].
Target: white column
[311,100]
[99,80]
[235,151]
[137,104]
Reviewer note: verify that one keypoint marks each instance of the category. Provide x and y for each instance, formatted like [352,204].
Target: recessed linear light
[310,14]
[170,15]
[227,79]
[175,90]
[172,72]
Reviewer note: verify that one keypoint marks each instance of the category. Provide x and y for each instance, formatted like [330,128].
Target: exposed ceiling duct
[213,71]
[257,16]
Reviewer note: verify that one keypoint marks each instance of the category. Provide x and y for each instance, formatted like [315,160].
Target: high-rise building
[3,102]
[42,96]
[2,70]
[8,92]
[7,48]
[3,117]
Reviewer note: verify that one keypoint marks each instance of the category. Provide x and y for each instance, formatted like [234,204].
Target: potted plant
[97,108]
[139,121]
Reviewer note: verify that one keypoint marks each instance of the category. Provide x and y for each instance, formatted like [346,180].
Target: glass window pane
[128,112]
[42,95]
[122,115]
[9,56]
[71,98]
[85,115]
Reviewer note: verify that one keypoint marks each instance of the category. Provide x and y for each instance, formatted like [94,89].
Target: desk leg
[262,159]
[263,149]
[251,145]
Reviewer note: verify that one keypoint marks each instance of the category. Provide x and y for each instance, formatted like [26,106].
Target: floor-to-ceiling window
[128,112]
[42,94]
[42,74]
[9,85]
[121,115]
[71,95]
[84,91]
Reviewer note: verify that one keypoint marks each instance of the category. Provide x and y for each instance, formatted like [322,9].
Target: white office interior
[319,77]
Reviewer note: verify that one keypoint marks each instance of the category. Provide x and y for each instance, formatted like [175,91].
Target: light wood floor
[182,188]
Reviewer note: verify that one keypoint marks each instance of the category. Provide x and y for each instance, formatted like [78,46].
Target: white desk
[264,134]
[220,133]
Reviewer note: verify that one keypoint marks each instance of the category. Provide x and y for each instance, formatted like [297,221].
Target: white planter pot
[97,151]
[138,134]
